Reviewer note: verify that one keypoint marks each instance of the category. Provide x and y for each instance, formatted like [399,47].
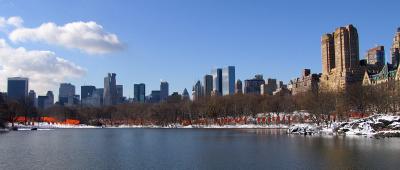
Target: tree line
[321,106]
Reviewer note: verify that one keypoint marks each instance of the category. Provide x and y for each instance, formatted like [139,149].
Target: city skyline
[262,52]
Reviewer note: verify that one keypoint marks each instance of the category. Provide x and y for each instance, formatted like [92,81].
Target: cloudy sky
[145,41]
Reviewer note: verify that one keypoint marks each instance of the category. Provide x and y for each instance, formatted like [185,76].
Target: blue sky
[181,40]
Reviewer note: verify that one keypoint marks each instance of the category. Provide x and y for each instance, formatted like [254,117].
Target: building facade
[306,82]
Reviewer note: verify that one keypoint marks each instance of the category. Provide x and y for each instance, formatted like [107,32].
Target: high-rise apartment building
[17,88]
[341,68]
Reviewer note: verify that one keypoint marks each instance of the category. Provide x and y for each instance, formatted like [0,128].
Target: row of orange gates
[277,119]
[50,120]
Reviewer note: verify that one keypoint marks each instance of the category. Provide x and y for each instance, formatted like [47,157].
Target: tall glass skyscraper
[228,80]
[217,81]
[17,88]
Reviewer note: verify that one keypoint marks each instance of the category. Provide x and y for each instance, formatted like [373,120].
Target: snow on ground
[44,126]
[376,125]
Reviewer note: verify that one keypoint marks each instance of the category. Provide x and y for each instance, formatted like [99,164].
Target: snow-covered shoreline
[43,125]
[374,126]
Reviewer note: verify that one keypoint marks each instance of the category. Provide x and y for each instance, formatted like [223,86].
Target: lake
[192,149]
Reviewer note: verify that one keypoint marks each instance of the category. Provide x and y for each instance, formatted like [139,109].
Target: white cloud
[86,36]
[44,69]
[15,21]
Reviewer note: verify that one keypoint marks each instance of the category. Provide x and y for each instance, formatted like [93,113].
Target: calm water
[192,149]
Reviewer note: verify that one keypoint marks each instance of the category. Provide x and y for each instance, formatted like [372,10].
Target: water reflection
[192,149]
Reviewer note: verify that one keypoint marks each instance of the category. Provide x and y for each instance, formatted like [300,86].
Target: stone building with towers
[340,59]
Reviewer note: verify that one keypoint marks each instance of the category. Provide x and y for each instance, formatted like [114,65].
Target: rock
[386,122]
[377,125]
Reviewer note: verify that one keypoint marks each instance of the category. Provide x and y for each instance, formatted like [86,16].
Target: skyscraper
[228,80]
[239,87]
[110,90]
[208,85]
[66,94]
[140,92]
[376,55]
[164,90]
[341,68]
[17,88]
[217,81]
[395,50]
